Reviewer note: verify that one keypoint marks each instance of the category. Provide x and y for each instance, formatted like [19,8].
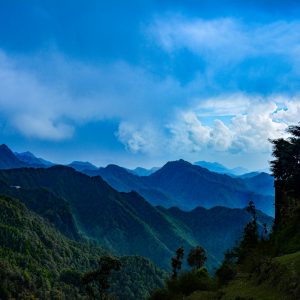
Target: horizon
[142,83]
[267,170]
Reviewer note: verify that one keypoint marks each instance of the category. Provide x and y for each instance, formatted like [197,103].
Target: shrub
[226,273]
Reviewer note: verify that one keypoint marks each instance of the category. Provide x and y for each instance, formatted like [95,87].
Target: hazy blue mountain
[194,186]
[249,175]
[125,181]
[212,166]
[81,166]
[219,168]
[187,186]
[262,183]
[143,172]
[30,159]
[124,222]
[238,171]
[8,159]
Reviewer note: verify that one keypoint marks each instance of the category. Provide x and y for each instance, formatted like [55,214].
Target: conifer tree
[176,262]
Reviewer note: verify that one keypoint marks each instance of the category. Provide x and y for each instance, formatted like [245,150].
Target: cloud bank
[49,97]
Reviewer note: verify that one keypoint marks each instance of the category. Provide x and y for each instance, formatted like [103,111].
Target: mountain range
[177,183]
[124,223]
[187,186]
[219,168]
[86,211]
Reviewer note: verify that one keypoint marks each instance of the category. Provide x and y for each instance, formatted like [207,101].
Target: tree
[176,262]
[250,236]
[97,282]
[197,257]
[286,165]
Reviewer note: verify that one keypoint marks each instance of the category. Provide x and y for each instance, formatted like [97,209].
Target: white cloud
[155,115]
[50,103]
[247,130]
[226,40]
[138,139]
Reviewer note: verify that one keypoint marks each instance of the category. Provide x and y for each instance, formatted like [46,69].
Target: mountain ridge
[122,222]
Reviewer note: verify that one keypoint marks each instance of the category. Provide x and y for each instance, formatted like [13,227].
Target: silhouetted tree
[250,236]
[197,257]
[286,165]
[176,262]
[97,282]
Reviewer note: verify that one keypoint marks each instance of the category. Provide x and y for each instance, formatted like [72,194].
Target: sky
[139,83]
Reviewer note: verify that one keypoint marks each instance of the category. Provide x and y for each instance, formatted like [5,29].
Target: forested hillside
[37,261]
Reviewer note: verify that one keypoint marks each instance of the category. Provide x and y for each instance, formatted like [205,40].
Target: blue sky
[143,82]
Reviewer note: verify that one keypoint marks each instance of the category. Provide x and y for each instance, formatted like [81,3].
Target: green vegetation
[37,261]
[124,223]
[97,282]
[185,283]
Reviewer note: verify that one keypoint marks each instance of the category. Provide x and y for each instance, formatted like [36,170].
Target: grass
[286,269]
[291,261]
[243,288]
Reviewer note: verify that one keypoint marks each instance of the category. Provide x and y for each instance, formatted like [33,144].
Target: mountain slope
[221,222]
[30,159]
[81,166]
[143,172]
[47,205]
[101,212]
[187,186]
[218,168]
[194,186]
[8,160]
[262,183]
[37,262]
[125,181]
[125,222]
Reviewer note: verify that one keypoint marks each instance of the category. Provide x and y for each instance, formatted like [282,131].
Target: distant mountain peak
[27,153]
[4,147]
[8,159]
[179,162]
[82,165]
[143,171]
[31,160]
[219,168]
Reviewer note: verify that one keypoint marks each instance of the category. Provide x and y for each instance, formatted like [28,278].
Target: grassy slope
[282,283]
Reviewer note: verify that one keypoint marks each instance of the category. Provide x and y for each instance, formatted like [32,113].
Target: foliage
[185,284]
[37,261]
[97,282]
[197,257]
[176,262]
[250,237]
[226,273]
[286,165]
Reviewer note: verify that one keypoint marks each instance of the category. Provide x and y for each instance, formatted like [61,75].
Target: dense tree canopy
[286,165]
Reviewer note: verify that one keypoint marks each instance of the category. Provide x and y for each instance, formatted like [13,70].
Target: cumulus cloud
[50,103]
[246,129]
[155,115]
[138,139]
